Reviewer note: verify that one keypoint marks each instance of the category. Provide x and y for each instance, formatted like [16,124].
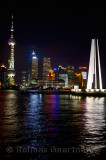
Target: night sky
[61,31]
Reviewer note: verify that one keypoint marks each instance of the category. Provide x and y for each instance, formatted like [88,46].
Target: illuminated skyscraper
[11,70]
[31,48]
[83,71]
[94,74]
[46,67]
[71,76]
[33,69]
[34,66]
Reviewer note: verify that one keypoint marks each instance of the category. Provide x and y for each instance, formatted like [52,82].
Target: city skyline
[52,80]
[64,37]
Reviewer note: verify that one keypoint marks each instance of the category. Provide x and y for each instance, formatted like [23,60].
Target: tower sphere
[11,41]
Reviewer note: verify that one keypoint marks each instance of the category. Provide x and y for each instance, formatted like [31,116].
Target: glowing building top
[51,75]
[12,41]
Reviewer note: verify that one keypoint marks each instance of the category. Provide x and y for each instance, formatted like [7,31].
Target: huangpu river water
[41,126]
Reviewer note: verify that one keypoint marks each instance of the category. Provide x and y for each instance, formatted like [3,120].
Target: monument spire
[94,74]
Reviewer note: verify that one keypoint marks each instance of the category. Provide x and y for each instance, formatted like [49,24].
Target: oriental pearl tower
[11,70]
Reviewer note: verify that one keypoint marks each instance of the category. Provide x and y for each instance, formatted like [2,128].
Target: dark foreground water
[39,126]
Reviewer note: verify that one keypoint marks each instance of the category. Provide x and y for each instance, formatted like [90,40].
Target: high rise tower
[31,48]
[11,70]
[46,67]
[34,66]
[94,74]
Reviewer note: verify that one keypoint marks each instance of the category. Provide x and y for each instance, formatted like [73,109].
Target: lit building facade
[46,84]
[78,80]
[46,67]
[11,70]
[51,75]
[71,76]
[34,66]
[84,71]
[3,76]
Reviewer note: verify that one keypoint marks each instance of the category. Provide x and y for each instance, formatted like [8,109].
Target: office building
[3,76]
[78,80]
[61,84]
[46,67]
[33,69]
[31,49]
[71,76]
[83,71]
[48,84]
[65,78]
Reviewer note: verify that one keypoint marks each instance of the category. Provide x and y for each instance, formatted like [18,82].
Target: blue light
[55,69]
[34,57]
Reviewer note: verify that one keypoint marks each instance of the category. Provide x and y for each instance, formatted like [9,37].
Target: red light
[82,67]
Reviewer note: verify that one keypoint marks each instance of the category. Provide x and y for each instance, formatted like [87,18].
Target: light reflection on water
[95,124]
[38,120]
